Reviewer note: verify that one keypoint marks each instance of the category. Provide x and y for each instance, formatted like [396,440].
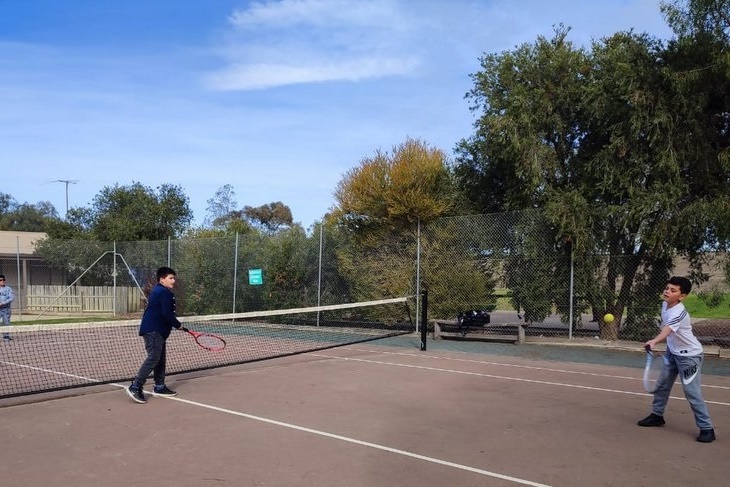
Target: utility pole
[67,182]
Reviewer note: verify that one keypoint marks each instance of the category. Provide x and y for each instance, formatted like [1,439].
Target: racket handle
[184,329]
[647,348]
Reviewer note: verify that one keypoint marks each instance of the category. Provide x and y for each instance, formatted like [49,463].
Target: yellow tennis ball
[608,318]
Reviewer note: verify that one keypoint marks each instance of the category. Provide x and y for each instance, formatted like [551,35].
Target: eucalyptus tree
[524,154]
[270,217]
[220,207]
[26,217]
[138,212]
[620,146]
[118,214]
[700,60]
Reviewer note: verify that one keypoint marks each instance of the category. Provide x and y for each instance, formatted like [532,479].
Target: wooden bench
[444,329]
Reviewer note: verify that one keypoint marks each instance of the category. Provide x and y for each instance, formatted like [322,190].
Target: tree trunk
[609,331]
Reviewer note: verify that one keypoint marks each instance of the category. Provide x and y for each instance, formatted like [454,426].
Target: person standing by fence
[6,300]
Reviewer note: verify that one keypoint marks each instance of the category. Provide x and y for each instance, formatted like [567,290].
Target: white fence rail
[83,299]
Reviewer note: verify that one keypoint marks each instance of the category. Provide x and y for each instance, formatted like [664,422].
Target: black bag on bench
[474,318]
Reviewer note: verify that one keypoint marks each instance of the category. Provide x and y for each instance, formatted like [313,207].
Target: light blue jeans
[5,317]
[689,369]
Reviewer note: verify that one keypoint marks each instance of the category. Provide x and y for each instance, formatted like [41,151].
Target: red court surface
[372,415]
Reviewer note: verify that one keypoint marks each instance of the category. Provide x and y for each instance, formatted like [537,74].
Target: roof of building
[23,243]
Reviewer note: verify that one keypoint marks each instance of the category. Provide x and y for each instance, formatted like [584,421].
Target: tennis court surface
[379,413]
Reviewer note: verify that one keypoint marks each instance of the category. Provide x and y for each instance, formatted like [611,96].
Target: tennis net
[51,357]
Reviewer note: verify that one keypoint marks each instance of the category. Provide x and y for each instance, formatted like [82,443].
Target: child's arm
[663,334]
[168,311]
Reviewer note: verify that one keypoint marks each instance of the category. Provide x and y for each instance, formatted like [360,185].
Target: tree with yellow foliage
[391,191]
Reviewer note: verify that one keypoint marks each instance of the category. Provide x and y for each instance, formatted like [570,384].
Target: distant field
[699,309]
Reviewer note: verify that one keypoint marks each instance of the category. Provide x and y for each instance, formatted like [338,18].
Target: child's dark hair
[164,272]
[685,286]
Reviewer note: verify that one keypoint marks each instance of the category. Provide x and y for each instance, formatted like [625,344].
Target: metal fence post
[571,298]
[319,277]
[418,269]
[17,261]
[424,320]
[114,281]
[235,272]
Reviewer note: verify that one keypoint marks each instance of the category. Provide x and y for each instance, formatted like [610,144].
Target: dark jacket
[160,313]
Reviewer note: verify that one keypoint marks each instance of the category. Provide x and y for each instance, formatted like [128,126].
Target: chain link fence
[509,264]
[293,269]
[514,266]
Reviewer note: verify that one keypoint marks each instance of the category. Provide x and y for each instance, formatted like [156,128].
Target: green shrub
[712,297]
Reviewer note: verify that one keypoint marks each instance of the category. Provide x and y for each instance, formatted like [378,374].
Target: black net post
[424,318]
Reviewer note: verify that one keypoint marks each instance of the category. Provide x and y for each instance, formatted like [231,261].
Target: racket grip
[647,348]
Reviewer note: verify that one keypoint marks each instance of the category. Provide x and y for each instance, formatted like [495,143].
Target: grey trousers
[155,363]
[689,369]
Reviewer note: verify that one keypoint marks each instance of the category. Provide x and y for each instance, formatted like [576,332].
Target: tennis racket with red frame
[207,341]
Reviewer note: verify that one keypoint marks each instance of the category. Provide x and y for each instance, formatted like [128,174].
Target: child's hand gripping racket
[653,370]
[207,341]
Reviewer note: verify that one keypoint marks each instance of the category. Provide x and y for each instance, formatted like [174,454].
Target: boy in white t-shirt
[683,357]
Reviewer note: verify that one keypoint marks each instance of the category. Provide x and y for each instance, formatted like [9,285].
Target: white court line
[532,367]
[516,379]
[319,433]
[56,372]
[363,443]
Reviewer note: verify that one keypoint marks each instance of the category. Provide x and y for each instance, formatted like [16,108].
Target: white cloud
[261,76]
[312,41]
[324,13]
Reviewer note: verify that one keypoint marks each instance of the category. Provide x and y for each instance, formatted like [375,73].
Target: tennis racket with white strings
[653,369]
[207,341]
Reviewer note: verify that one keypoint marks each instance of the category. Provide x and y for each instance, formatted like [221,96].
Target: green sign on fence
[255,277]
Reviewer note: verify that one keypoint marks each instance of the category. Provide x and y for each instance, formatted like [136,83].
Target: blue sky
[279,99]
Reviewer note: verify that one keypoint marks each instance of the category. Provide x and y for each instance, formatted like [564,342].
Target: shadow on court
[377,414]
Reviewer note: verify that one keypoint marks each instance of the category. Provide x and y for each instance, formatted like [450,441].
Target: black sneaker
[652,420]
[163,391]
[706,436]
[136,394]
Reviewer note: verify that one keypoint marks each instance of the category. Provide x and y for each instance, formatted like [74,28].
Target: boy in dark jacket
[157,323]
